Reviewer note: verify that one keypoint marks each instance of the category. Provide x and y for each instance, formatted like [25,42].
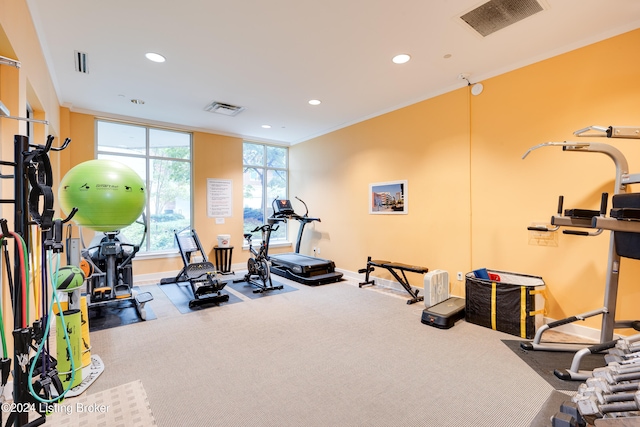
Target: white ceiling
[271,57]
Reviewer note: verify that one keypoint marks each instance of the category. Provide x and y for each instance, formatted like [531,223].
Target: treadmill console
[283,207]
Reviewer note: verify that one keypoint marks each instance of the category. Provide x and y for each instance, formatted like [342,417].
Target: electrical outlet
[459,276]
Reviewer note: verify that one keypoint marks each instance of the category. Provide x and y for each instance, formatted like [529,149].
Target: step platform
[445,314]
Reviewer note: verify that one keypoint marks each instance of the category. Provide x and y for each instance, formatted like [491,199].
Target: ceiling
[272,57]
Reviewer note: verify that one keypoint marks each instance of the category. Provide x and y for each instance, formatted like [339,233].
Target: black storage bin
[514,304]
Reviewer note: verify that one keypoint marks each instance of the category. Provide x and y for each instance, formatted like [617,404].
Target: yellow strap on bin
[542,292]
[493,305]
[523,311]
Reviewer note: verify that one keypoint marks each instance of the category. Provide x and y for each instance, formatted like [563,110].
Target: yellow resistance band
[493,304]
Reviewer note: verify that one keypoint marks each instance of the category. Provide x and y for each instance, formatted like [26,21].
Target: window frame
[145,250]
[266,201]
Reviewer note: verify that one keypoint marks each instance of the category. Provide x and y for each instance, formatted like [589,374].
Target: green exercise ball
[108,195]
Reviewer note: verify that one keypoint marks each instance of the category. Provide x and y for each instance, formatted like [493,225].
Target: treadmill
[301,268]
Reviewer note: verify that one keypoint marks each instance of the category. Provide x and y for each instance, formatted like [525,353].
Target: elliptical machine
[111,259]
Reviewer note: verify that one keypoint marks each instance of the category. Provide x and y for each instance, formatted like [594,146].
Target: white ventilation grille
[224,109]
[81,62]
[495,15]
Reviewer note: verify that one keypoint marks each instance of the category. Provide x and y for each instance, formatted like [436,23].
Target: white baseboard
[575,329]
[571,328]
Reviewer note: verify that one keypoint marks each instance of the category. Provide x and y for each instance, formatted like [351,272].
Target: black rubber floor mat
[545,362]
[117,313]
[180,294]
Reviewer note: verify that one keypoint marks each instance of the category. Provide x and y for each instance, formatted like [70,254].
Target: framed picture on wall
[388,198]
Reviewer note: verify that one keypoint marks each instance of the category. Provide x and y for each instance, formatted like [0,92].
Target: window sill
[157,255]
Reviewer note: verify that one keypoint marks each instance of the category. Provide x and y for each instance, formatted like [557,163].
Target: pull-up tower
[595,222]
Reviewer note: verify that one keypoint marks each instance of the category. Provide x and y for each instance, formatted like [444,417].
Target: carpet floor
[333,355]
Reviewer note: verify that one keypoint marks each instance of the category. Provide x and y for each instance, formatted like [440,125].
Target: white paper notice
[219,198]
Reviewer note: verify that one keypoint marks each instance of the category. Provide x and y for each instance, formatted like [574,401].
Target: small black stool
[223,259]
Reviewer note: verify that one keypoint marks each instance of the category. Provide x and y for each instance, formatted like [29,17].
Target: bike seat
[247,236]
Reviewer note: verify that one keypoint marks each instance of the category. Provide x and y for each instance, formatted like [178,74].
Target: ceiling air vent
[224,109]
[495,15]
[81,62]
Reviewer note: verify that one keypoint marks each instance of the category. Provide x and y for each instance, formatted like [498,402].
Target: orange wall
[471,196]
[547,102]
[426,144]
[29,84]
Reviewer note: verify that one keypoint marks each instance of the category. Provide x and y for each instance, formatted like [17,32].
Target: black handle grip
[576,232]
[602,347]
[562,322]
[538,229]
[603,203]
[560,203]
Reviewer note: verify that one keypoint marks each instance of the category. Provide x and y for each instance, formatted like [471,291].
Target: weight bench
[394,268]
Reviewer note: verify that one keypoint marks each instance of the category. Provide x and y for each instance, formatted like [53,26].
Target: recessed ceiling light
[155,57]
[315,102]
[401,59]
[266,126]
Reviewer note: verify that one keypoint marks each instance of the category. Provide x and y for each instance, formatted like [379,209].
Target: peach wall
[471,196]
[426,144]
[547,101]
[22,43]
[217,157]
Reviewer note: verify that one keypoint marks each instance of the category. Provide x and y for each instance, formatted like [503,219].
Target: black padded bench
[394,268]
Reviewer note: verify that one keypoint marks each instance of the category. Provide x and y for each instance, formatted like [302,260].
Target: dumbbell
[569,416]
[599,404]
[613,375]
[623,368]
[622,358]
[602,384]
[629,345]
[603,396]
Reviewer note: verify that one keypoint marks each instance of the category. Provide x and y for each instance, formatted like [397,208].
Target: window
[163,159]
[265,178]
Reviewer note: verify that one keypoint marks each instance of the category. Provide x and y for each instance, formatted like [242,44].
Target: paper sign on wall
[219,198]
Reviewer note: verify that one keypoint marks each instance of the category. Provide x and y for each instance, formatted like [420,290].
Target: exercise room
[346,213]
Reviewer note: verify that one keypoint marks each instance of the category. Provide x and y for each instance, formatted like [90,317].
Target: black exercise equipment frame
[259,265]
[112,278]
[201,276]
[305,269]
[392,267]
[32,189]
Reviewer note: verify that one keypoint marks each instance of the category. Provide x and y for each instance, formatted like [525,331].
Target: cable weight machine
[33,197]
